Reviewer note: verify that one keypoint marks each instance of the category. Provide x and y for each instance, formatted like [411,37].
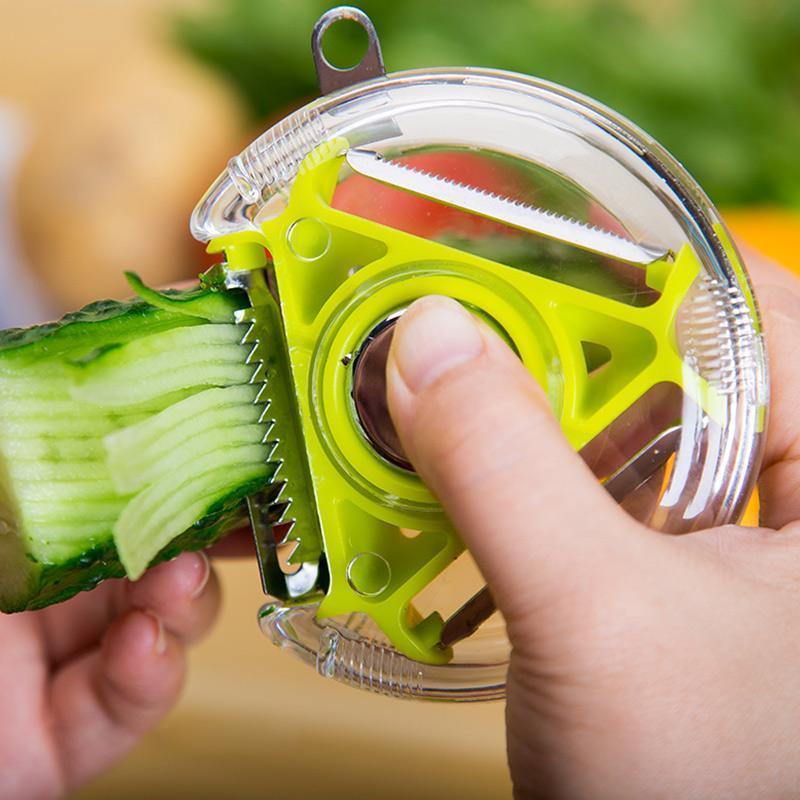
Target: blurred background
[115,117]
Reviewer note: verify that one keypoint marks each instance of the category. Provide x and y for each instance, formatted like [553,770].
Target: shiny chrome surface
[369,394]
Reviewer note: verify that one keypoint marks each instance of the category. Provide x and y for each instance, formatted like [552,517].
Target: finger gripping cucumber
[129,432]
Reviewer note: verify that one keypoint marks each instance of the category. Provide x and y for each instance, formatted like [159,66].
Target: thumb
[480,433]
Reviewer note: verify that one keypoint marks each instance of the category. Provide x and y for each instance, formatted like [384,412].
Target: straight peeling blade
[623,483]
[501,209]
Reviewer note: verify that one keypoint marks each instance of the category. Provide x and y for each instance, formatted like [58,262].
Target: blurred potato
[115,168]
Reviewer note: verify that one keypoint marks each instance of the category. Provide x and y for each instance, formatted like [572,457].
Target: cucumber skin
[79,330]
[79,333]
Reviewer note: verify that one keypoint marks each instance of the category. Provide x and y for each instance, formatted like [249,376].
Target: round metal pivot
[369,394]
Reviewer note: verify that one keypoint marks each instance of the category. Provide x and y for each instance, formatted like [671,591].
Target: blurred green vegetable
[716,81]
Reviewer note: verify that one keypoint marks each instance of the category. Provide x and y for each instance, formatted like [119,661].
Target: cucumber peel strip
[205,302]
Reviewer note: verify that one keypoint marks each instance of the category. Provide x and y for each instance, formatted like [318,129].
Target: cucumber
[129,432]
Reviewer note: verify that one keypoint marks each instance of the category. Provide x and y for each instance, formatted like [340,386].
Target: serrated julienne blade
[501,209]
[283,515]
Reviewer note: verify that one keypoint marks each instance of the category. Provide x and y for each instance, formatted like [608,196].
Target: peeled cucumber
[129,432]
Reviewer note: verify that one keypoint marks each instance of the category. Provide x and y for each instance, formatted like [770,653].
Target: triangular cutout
[614,352]
[595,355]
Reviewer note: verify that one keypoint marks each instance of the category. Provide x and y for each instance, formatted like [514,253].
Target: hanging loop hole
[332,78]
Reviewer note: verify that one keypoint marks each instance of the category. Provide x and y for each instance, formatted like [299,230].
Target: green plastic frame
[338,275]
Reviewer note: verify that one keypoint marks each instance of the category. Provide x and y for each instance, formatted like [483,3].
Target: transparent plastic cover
[542,145]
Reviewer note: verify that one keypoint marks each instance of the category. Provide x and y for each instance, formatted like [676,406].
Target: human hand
[82,681]
[643,665]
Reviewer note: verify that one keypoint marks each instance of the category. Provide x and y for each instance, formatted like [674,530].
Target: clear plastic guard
[351,651]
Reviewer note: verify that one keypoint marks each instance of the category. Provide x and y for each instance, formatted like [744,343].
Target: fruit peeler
[585,245]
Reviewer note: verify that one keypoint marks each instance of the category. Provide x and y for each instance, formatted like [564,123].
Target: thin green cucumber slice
[144,369]
[181,460]
[160,433]
[160,512]
[139,454]
[48,493]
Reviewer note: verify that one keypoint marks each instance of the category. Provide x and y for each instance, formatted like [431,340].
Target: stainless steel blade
[629,477]
[501,209]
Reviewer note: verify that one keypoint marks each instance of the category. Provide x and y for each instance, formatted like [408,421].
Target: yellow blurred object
[125,134]
[110,185]
[750,517]
[775,232]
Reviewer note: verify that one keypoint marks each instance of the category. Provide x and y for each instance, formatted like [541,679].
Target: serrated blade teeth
[278,510]
[273,492]
[272,446]
[267,353]
[501,209]
[285,551]
[272,503]
[256,357]
[263,398]
[250,336]
[259,373]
